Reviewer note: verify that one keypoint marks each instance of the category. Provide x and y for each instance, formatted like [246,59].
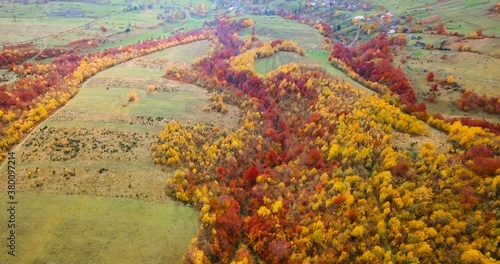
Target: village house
[420,44]
[67,13]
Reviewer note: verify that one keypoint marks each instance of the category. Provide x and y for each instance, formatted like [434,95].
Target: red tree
[430,77]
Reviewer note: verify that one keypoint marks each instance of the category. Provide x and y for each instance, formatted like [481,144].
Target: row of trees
[471,101]
[315,174]
[246,60]
[371,65]
[43,88]
[373,62]
[9,57]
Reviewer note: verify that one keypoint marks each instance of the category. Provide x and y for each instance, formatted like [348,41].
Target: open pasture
[275,27]
[482,77]
[55,228]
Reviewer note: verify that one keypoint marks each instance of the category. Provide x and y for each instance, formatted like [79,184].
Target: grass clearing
[275,27]
[55,228]
[482,78]
[266,65]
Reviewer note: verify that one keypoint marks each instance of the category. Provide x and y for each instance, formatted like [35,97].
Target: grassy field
[26,22]
[460,16]
[37,10]
[482,78]
[55,228]
[275,27]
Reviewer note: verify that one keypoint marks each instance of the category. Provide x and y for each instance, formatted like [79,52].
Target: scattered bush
[132,96]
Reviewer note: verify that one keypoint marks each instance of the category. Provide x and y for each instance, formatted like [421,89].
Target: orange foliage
[464,47]
[441,29]
[496,8]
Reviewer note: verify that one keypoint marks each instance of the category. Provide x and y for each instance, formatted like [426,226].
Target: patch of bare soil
[413,143]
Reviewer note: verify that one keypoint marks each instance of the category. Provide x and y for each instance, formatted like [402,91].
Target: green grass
[458,15]
[55,228]
[399,6]
[36,10]
[115,101]
[419,52]
[275,27]
[133,37]
[122,71]
[264,66]
[130,38]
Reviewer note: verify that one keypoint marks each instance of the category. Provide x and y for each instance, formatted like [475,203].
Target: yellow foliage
[422,194]
[358,231]
[472,256]
[277,206]
[450,79]
[209,218]
[132,96]
[368,257]
[263,211]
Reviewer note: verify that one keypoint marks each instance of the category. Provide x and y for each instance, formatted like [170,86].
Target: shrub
[430,77]
[132,96]
[464,47]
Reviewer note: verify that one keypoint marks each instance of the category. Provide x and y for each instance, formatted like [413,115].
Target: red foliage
[82,44]
[471,101]
[8,57]
[326,30]
[430,77]
[469,198]
[271,158]
[441,29]
[339,199]
[420,107]
[313,157]
[432,97]
[276,42]
[401,169]
[373,61]
[486,166]
[477,151]
[228,226]
[496,8]
[467,121]
[435,87]
[352,215]
[50,53]
[314,117]
[279,251]
[251,174]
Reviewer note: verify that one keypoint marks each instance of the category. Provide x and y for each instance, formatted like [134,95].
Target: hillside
[264,132]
